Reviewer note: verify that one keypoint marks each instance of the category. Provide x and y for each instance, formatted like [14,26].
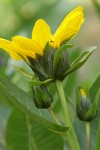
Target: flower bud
[42,97]
[86,108]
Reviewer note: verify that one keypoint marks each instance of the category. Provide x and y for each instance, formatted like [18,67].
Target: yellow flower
[41,34]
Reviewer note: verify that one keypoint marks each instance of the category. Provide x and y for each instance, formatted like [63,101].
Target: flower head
[41,34]
[44,51]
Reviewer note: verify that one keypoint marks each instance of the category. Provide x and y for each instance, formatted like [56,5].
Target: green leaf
[23,72]
[96,5]
[96,124]
[4,114]
[87,50]
[94,88]
[25,102]
[81,60]
[25,134]
[98,139]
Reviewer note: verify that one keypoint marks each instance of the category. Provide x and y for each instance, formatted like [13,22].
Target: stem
[88,135]
[71,135]
[53,115]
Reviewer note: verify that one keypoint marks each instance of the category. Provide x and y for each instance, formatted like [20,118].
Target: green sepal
[61,62]
[91,114]
[37,66]
[42,97]
[22,71]
[93,109]
[59,53]
[48,56]
[81,60]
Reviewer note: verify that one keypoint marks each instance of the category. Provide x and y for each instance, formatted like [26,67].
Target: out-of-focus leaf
[94,88]
[25,102]
[97,147]
[97,6]
[23,72]
[25,134]
[4,99]
[4,114]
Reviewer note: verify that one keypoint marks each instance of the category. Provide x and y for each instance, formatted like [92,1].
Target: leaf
[4,99]
[96,124]
[25,102]
[23,72]
[81,60]
[4,114]
[98,139]
[25,134]
[89,49]
[94,88]
[96,5]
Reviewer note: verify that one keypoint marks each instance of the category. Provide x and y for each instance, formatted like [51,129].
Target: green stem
[88,135]
[53,116]
[71,135]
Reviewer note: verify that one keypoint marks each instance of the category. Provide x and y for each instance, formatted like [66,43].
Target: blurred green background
[18,18]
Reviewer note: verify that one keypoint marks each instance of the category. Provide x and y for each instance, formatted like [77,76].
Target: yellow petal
[69,27]
[9,47]
[83,93]
[41,32]
[29,46]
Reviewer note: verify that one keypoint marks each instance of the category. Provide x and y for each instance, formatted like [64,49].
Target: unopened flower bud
[42,97]
[86,107]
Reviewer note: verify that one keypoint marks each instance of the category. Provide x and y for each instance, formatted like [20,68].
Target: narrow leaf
[80,61]
[94,88]
[89,49]
[23,72]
